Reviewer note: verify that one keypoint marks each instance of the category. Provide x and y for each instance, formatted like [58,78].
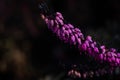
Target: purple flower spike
[69,34]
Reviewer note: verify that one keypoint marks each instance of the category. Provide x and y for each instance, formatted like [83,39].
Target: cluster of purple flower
[69,34]
[90,74]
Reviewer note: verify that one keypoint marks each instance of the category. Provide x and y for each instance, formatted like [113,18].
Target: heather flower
[89,38]
[75,74]
[74,36]
[69,34]
[96,50]
[84,47]
[92,73]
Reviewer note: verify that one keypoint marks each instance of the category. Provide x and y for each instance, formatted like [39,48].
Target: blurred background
[29,51]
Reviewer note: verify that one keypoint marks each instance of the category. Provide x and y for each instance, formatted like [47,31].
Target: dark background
[29,51]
